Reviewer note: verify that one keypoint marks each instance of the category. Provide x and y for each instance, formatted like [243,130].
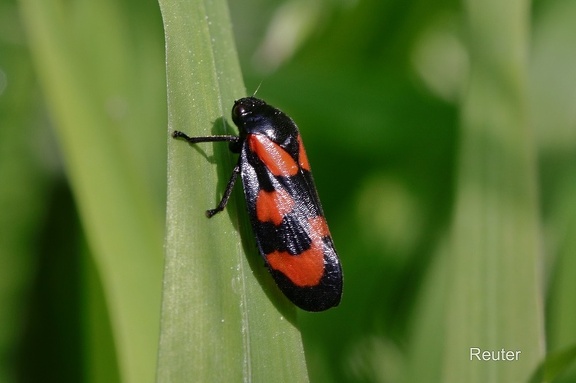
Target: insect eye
[240,111]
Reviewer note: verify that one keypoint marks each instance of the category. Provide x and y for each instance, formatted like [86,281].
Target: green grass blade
[553,56]
[561,311]
[82,73]
[553,366]
[428,334]
[496,297]
[223,320]
[22,193]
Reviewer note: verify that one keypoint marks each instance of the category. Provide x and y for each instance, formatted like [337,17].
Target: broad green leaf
[223,320]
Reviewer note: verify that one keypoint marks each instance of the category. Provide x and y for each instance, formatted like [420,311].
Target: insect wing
[289,224]
[286,215]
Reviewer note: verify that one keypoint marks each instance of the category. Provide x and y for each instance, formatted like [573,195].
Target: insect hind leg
[227,193]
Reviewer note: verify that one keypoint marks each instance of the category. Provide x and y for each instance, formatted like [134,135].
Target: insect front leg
[195,140]
[234,141]
[227,192]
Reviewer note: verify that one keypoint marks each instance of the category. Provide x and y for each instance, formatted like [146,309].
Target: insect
[285,212]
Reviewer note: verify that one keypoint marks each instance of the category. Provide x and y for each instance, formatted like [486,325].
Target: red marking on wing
[273,206]
[306,268]
[276,159]
[302,157]
[318,227]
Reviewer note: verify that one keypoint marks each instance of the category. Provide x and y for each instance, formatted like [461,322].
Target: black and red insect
[285,212]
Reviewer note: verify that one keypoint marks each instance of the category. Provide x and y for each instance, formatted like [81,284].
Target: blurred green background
[378,89]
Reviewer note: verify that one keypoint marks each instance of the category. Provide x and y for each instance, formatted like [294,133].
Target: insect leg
[195,140]
[227,192]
